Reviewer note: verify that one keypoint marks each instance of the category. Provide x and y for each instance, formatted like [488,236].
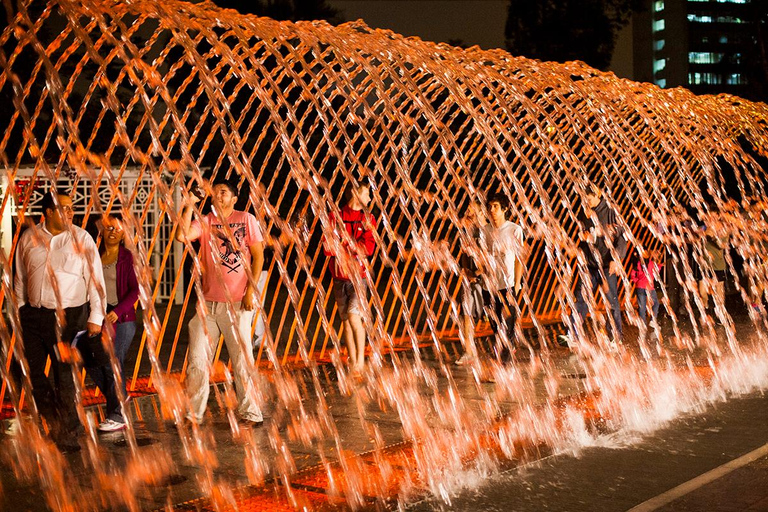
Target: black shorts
[347,301]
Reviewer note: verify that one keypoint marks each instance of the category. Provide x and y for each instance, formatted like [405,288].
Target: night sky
[473,21]
[478,22]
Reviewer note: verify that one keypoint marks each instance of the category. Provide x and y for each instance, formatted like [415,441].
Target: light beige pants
[202,350]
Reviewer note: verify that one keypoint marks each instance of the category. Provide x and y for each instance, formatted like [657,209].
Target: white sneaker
[254,420]
[12,427]
[465,359]
[110,426]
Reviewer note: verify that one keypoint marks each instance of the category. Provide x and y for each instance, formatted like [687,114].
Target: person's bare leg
[703,291]
[349,339]
[358,331]
[468,340]
[719,296]
[720,289]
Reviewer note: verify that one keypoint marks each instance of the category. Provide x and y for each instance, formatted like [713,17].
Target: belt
[43,308]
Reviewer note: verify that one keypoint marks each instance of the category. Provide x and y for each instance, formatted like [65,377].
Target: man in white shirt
[503,243]
[57,268]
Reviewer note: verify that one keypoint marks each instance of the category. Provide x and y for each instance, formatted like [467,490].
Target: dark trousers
[674,285]
[642,303]
[611,294]
[56,402]
[503,325]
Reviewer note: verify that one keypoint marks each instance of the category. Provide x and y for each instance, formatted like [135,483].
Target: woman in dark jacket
[122,292]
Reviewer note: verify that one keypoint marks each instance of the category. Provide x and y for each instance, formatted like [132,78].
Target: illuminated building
[702,45]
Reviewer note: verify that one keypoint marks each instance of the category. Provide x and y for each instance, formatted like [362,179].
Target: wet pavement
[617,474]
[628,472]
[152,430]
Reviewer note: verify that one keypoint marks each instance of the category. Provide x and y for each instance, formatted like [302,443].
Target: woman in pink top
[645,277]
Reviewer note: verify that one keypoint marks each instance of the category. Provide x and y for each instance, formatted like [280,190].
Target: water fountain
[130,101]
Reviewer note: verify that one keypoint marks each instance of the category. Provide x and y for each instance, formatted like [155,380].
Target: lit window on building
[659,64]
[658,25]
[723,39]
[704,57]
[736,79]
[704,79]
[695,18]
[658,45]
[661,82]
[658,5]
[734,1]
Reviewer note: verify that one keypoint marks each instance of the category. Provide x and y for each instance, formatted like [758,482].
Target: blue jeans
[124,333]
[612,294]
[642,302]
[99,367]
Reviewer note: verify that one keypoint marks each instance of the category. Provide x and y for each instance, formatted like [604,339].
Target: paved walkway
[371,439]
[622,477]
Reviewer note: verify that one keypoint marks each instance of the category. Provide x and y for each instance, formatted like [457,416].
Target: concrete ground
[620,477]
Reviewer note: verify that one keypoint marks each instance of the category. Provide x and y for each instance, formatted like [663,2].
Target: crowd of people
[82,291]
[688,268]
[76,290]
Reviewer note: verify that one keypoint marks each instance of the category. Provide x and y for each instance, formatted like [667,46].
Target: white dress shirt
[504,246]
[67,265]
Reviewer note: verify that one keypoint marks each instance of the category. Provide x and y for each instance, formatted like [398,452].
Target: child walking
[645,279]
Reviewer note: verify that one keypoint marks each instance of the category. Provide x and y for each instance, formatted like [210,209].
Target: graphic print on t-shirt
[231,257]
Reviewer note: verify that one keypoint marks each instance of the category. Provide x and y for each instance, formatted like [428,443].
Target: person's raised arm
[327,247]
[188,231]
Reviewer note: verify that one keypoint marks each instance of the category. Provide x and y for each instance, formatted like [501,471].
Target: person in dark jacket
[599,231]
[122,292]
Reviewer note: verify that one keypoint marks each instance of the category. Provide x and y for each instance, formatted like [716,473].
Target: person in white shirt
[57,268]
[503,271]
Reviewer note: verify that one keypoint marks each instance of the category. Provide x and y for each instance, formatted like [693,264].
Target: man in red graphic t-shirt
[230,243]
[359,225]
